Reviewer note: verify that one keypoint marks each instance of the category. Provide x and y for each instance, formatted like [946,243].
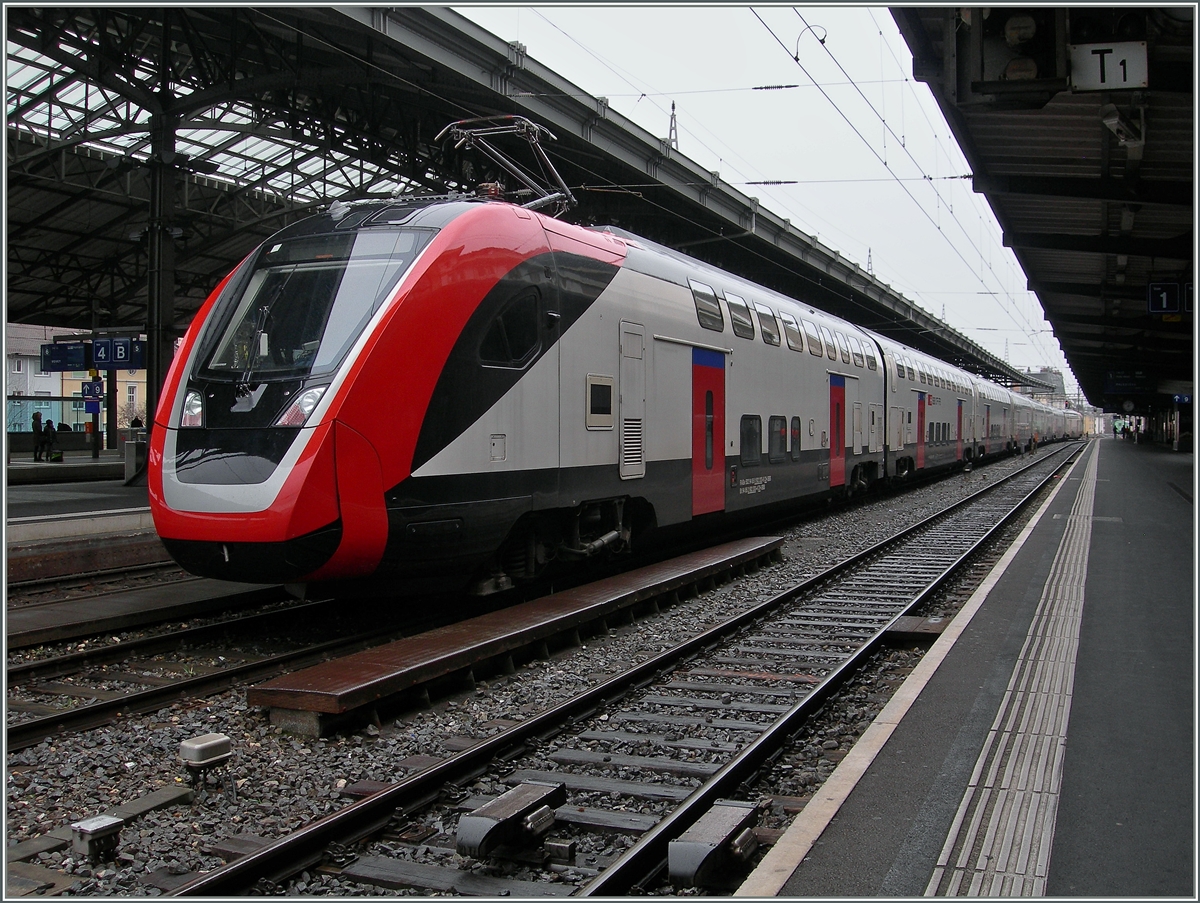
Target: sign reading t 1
[1109,67]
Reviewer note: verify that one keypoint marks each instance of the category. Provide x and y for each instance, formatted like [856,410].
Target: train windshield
[306,301]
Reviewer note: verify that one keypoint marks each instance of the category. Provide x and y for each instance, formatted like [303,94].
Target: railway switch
[97,836]
[522,814]
[722,836]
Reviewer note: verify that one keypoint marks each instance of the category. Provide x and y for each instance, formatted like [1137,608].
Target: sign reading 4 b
[118,354]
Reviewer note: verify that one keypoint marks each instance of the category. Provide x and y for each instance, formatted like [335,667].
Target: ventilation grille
[632,461]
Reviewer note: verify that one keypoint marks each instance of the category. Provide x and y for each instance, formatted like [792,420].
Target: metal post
[110,410]
[161,289]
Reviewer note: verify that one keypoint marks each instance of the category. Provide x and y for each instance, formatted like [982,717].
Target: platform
[76,467]
[1045,744]
[311,700]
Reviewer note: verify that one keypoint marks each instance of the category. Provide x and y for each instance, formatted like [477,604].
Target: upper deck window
[739,316]
[766,320]
[830,347]
[791,329]
[869,353]
[708,308]
[814,338]
[845,348]
[856,351]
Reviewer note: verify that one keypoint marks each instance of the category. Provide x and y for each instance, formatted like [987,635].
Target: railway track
[91,687]
[634,785]
[41,590]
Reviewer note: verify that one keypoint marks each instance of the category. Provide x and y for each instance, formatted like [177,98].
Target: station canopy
[149,149]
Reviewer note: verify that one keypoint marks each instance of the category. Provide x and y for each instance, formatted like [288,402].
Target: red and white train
[433,392]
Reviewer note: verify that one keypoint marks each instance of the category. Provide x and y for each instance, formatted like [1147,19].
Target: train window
[708,308]
[814,338]
[791,329]
[908,365]
[841,340]
[305,302]
[600,402]
[512,339]
[751,440]
[899,368]
[830,347]
[766,320]
[739,316]
[777,439]
[920,373]
[856,351]
[869,351]
[795,438]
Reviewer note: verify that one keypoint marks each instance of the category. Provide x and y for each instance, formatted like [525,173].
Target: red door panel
[958,446]
[837,431]
[708,431]
[920,430]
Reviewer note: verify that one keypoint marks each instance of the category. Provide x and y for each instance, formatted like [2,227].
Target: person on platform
[136,423]
[49,434]
[37,435]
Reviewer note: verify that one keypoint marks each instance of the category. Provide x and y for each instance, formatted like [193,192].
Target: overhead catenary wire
[883,159]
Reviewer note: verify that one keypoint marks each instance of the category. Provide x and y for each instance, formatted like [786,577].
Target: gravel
[280,781]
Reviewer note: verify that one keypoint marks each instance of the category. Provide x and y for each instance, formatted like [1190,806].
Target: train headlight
[193,409]
[298,411]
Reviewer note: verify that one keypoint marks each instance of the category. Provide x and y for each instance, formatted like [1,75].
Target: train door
[708,431]
[920,430]
[958,435]
[874,427]
[837,430]
[897,423]
[987,429]
[633,400]
[856,428]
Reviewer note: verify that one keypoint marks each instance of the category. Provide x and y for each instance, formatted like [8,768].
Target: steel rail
[646,857]
[24,734]
[284,856]
[71,662]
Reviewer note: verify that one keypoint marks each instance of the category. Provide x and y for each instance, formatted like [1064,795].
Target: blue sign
[62,357]
[119,353]
[1163,298]
[102,354]
[1183,399]
[93,389]
[91,407]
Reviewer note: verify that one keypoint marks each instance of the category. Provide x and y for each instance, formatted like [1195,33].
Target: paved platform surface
[1050,751]
[73,490]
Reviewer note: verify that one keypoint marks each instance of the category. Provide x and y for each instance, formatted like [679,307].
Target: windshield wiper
[264,312]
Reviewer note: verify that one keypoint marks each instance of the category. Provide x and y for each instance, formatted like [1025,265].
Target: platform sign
[93,389]
[1111,66]
[102,354]
[1163,297]
[63,357]
[1187,297]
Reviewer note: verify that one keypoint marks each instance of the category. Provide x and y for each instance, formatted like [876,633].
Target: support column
[160,316]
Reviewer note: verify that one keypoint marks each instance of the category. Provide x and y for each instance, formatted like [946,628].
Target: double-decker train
[440,392]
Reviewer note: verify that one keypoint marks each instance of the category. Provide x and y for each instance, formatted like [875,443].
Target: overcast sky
[874,170]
